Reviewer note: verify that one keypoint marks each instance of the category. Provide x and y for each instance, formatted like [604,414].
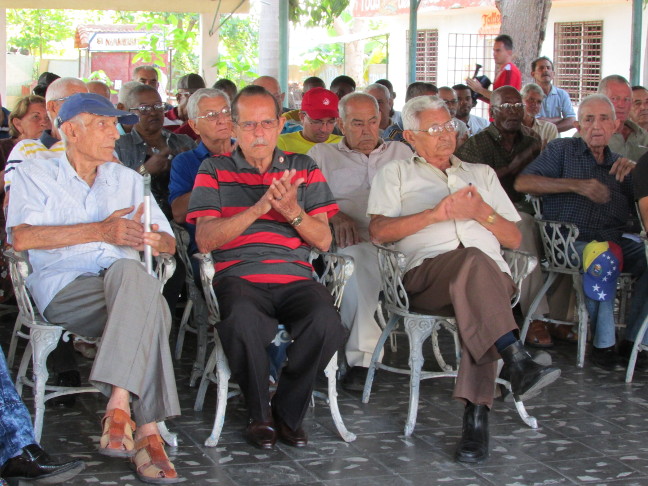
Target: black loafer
[526,376]
[605,358]
[473,446]
[35,466]
[354,379]
[261,434]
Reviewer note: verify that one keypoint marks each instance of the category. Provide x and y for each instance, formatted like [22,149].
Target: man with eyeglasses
[259,211]
[508,148]
[176,118]
[450,218]
[210,117]
[448,95]
[349,167]
[319,112]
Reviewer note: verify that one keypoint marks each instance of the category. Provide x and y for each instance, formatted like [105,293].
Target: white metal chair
[337,270]
[194,316]
[43,337]
[419,327]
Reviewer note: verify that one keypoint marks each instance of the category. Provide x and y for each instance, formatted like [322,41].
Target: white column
[269,39]
[3,54]
[208,49]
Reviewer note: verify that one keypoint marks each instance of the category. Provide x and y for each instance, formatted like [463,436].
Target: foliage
[238,49]
[39,30]
[313,13]
[323,55]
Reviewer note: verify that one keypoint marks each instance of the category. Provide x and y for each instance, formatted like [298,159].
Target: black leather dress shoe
[66,378]
[473,446]
[37,467]
[261,434]
[527,377]
[354,379]
[294,438]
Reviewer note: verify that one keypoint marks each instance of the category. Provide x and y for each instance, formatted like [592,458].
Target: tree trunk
[353,51]
[527,41]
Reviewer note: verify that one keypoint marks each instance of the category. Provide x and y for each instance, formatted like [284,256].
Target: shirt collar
[455,162]
[137,138]
[633,126]
[278,161]
[66,172]
[47,139]
[343,147]
[608,158]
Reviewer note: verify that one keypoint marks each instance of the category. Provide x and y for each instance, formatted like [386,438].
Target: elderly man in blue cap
[79,218]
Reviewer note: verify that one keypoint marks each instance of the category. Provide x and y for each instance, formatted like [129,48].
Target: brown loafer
[261,434]
[538,336]
[294,438]
[561,332]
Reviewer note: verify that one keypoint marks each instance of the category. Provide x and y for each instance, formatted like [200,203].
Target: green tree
[316,12]
[38,31]
[238,49]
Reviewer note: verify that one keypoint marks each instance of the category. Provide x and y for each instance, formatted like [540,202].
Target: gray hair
[356,95]
[77,120]
[528,88]
[593,98]
[615,78]
[414,107]
[380,87]
[131,98]
[60,88]
[125,90]
[194,100]
[145,68]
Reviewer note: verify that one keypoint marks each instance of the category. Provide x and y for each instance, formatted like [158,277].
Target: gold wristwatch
[298,220]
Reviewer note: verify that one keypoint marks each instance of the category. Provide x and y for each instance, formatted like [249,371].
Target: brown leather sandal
[117,436]
[151,462]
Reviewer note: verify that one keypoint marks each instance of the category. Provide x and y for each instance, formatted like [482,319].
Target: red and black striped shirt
[270,250]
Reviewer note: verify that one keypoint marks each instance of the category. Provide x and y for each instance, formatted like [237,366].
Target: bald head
[505,92]
[100,88]
[63,87]
[272,86]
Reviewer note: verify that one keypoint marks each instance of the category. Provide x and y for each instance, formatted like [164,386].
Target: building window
[427,54]
[577,57]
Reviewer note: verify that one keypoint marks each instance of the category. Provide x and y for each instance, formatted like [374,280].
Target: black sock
[505,341]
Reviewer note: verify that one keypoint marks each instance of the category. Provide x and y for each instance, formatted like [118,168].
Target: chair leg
[223,373]
[583,318]
[635,350]
[169,437]
[330,371]
[182,329]
[205,380]
[418,330]
[14,341]
[551,278]
[43,340]
[387,331]
[202,340]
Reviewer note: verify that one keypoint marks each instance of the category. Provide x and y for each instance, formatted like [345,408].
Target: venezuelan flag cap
[602,264]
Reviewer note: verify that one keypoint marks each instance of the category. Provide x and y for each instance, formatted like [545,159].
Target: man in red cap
[319,110]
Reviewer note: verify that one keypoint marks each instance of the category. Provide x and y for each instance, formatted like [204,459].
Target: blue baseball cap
[95,105]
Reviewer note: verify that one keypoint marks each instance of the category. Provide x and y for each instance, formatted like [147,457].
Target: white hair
[194,99]
[60,88]
[356,95]
[414,107]
[593,98]
[125,90]
[531,87]
[380,87]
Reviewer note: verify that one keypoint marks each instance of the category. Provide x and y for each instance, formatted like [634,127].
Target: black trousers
[250,314]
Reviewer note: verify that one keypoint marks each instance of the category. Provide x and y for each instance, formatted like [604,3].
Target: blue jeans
[16,430]
[602,313]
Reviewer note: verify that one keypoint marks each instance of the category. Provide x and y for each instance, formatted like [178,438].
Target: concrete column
[208,49]
[269,38]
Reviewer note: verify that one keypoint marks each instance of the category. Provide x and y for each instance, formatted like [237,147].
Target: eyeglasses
[145,109]
[510,106]
[62,99]
[249,126]
[436,130]
[451,102]
[213,116]
[320,123]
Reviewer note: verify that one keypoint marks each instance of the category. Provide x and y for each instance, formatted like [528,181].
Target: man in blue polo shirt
[556,106]
[209,116]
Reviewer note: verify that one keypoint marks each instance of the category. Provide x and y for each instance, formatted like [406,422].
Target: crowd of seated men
[258,186]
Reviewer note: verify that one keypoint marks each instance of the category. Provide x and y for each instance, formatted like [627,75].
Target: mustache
[260,141]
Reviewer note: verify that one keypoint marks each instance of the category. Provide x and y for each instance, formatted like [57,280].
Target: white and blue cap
[95,105]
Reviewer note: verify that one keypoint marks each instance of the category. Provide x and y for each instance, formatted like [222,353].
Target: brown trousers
[468,284]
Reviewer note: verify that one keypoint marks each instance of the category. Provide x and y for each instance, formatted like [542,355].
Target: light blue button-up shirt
[51,193]
[557,104]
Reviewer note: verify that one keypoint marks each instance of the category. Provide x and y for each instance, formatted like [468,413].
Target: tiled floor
[593,429]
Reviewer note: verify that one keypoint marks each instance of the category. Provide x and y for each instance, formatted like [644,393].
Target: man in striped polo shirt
[259,211]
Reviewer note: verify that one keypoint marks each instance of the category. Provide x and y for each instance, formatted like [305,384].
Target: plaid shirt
[571,158]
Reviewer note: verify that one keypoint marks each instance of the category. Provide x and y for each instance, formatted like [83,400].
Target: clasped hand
[118,230]
[282,195]
[466,203]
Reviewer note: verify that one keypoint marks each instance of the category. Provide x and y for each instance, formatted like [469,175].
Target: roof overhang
[199,6]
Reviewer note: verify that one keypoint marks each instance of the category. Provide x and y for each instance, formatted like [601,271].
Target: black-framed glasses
[213,116]
[436,130]
[510,106]
[249,126]
[145,109]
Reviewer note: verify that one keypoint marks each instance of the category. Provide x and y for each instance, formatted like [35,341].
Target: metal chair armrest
[392,267]
[558,240]
[207,272]
[166,265]
[19,269]
[336,273]
[521,264]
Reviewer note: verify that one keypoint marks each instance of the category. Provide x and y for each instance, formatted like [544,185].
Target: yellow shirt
[296,143]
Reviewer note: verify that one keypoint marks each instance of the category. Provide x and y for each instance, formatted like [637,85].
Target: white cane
[148,254]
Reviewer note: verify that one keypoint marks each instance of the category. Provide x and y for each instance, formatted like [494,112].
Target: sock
[505,341]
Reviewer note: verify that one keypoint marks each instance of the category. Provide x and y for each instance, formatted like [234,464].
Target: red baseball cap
[320,103]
